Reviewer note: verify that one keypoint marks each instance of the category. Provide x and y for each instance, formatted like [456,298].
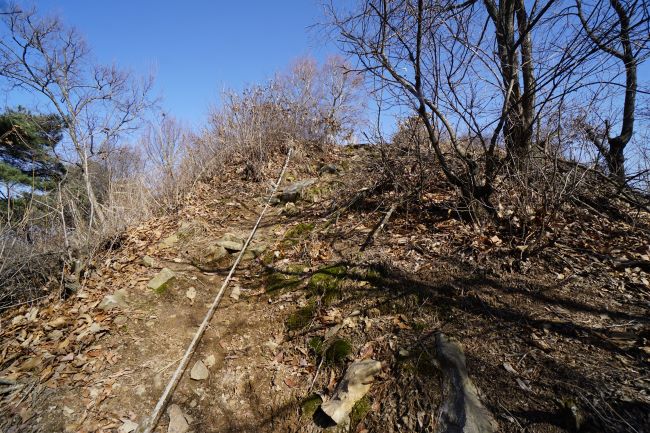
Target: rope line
[150,424]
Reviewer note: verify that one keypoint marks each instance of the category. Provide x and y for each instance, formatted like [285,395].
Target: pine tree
[27,143]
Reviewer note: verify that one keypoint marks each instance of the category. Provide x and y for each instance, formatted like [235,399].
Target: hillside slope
[555,341]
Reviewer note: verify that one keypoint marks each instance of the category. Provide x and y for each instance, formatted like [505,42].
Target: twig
[377,229]
[168,365]
[320,364]
[150,424]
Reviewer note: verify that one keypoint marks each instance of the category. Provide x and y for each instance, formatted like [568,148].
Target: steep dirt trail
[153,330]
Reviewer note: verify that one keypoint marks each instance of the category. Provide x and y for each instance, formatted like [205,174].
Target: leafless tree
[164,143]
[97,103]
[491,80]
[620,30]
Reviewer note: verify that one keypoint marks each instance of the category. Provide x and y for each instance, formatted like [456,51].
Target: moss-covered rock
[359,411]
[279,281]
[338,351]
[161,282]
[301,317]
[310,405]
[327,283]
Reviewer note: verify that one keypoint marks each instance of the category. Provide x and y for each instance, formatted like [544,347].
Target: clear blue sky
[196,48]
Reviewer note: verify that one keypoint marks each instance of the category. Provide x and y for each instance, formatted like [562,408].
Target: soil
[555,341]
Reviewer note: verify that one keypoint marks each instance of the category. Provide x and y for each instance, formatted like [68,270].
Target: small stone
[374,312]
[161,281]
[272,345]
[120,320]
[57,323]
[199,371]
[117,299]
[329,169]
[191,294]
[149,261]
[290,209]
[140,390]
[177,421]
[236,291]
[95,328]
[209,361]
[230,245]
[294,191]
[127,427]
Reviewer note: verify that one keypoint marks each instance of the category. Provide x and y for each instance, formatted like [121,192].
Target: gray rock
[117,299]
[329,168]
[461,409]
[199,371]
[254,251]
[290,209]
[293,192]
[235,293]
[230,245]
[209,257]
[149,261]
[162,280]
[177,421]
[353,386]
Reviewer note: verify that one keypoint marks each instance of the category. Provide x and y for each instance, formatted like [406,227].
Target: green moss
[301,317]
[268,258]
[338,351]
[327,283]
[316,345]
[295,233]
[337,270]
[310,405]
[277,281]
[359,411]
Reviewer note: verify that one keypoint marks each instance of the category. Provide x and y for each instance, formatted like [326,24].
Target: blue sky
[197,48]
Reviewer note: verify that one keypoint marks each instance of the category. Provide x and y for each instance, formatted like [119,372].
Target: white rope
[150,424]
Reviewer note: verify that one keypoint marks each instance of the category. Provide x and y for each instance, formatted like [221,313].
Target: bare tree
[164,144]
[619,29]
[97,103]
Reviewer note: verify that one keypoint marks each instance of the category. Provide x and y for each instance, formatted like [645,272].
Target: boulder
[294,191]
[162,280]
[209,257]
